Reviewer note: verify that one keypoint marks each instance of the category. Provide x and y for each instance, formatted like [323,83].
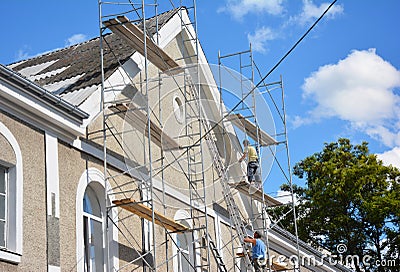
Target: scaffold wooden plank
[135,38]
[145,212]
[251,130]
[247,189]
[278,267]
[137,119]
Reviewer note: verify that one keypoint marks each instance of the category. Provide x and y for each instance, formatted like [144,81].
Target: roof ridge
[48,53]
[57,50]
[84,57]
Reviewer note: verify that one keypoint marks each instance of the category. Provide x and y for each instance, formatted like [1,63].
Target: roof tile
[84,59]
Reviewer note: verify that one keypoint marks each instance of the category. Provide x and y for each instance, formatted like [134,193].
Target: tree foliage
[350,198]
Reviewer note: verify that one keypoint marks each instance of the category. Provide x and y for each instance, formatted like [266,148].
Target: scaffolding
[135,27]
[244,117]
[132,190]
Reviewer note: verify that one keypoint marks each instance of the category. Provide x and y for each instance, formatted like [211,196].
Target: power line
[259,83]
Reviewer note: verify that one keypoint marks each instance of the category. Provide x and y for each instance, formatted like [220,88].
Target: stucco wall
[31,143]
[71,166]
[7,153]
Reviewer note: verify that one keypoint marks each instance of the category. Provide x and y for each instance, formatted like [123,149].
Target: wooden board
[278,267]
[250,129]
[139,121]
[135,38]
[244,188]
[145,212]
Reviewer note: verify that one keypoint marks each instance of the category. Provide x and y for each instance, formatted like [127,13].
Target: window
[3,205]
[185,246]
[11,198]
[92,232]
[93,252]
[183,250]
[178,109]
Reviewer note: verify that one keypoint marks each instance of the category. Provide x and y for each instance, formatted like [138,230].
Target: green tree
[350,198]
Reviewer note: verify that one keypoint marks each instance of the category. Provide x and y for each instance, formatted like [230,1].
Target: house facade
[62,200]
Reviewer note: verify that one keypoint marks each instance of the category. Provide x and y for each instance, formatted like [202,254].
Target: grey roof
[74,73]
[30,88]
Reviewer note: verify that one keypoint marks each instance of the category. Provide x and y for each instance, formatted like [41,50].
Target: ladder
[220,167]
[217,255]
[197,187]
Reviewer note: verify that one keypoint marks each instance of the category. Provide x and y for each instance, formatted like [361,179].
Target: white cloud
[284,197]
[260,37]
[311,12]
[358,89]
[391,157]
[298,121]
[22,54]
[240,8]
[74,39]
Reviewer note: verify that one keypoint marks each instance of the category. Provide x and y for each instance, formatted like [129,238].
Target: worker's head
[246,142]
[257,234]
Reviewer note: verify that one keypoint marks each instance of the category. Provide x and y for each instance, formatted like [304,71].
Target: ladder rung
[197,198]
[189,40]
[195,163]
[187,57]
[190,146]
[190,135]
[186,24]
[197,180]
[198,228]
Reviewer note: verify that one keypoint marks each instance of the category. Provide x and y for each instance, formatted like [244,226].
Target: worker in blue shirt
[258,251]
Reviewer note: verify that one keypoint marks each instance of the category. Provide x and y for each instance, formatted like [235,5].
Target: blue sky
[343,80]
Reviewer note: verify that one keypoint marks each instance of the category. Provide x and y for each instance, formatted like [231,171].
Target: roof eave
[34,105]
[56,102]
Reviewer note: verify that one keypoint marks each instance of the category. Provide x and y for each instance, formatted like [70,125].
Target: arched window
[91,244]
[93,231]
[11,197]
[178,109]
[184,256]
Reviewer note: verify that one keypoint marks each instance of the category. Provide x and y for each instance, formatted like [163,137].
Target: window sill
[10,256]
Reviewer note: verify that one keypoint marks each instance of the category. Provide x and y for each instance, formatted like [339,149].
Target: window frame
[178,108]
[6,214]
[194,256]
[15,187]
[183,251]
[88,219]
[95,176]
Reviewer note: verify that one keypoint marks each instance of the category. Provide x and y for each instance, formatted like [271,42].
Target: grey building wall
[31,142]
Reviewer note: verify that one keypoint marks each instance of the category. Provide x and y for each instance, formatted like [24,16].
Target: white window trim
[6,196]
[52,174]
[178,108]
[218,232]
[88,176]
[15,238]
[182,215]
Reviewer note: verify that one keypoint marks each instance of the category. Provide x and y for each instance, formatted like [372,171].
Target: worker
[258,251]
[250,154]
